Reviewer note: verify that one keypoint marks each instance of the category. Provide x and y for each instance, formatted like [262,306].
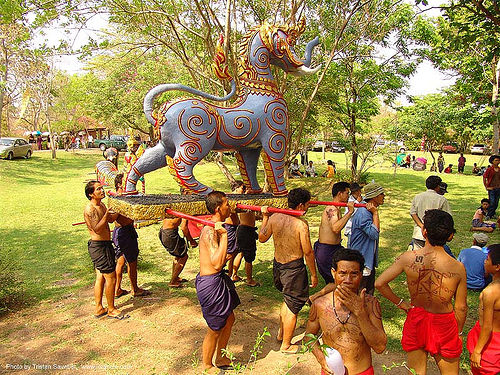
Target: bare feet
[101,312]
[175,285]
[236,278]
[223,363]
[114,313]
[292,349]
[120,293]
[252,283]
[141,293]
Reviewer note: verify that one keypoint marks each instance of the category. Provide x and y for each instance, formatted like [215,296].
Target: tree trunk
[354,157]
[494,106]
[4,88]
[219,160]
[324,143]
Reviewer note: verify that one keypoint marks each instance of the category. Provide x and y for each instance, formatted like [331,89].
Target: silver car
[11,148]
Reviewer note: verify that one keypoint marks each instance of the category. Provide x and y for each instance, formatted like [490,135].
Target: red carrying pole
[338,204]
[189,217]
[80,223]
[270,209]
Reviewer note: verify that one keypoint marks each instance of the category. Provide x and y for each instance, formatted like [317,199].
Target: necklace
[343,322]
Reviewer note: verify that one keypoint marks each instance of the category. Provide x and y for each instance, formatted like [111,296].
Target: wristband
[400,302]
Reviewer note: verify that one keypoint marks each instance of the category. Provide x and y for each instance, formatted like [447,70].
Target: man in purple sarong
[214,288]
[332,223]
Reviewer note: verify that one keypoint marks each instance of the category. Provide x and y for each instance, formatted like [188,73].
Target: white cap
[334,361]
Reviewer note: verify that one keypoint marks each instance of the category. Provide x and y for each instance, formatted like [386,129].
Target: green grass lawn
[41,198]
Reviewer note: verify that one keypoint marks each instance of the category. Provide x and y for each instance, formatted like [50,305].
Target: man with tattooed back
[291,245]
[434,279]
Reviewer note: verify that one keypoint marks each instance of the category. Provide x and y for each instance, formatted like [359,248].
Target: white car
[478,148]
[11,148]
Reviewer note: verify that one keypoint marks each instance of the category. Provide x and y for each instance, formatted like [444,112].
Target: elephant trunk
[308,55]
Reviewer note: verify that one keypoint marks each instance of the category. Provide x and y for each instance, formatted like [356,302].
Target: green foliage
[398,365]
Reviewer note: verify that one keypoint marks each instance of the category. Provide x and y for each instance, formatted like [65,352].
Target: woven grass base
[153,206]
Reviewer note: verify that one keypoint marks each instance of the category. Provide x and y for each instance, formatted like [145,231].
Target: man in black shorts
[176,246]
[101,251]
[127,250]
[291,244]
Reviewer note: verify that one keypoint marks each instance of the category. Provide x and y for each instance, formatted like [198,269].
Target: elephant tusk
[304,70]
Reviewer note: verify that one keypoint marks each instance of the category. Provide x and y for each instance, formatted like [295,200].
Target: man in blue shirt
[473,259]
[365,232]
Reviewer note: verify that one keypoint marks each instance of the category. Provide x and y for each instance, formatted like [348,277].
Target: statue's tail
[220,69]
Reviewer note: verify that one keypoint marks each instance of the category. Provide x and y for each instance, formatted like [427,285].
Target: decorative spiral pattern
[191,150]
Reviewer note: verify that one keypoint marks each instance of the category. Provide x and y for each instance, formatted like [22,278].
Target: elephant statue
[257,122]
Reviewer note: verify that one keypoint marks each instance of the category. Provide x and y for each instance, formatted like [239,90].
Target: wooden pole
[189,217]
[338,204]
[270,209]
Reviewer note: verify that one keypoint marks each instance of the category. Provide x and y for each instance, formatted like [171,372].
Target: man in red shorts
[483,341]
[434,278]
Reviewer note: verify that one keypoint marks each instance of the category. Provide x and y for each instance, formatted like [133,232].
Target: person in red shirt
[491,181]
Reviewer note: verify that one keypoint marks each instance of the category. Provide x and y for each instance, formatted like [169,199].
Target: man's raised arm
[265,230]
[218,247]
[92,220]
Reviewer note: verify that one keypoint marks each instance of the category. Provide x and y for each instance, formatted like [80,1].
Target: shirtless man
[291,245]
[332,223]
[101,251]
[434,278]
[176,246]
[351,321]
[215,290]
[127,250]
[483,341]
[246,238]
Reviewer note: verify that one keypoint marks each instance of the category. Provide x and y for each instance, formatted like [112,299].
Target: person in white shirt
[428,200]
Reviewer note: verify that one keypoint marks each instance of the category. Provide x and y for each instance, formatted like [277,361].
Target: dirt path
[162,336]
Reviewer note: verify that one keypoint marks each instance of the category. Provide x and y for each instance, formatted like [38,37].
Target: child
[448,169]
[477,220]
[483,341]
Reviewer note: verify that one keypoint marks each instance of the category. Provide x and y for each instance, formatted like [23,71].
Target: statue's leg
[248,160]
[183,163]
[274,166]
[152,159]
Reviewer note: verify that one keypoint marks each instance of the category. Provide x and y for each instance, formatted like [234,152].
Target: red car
[450,148]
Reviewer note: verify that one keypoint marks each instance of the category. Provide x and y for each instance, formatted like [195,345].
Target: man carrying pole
[291,245]
[332,223]
[101,251]
[215,290]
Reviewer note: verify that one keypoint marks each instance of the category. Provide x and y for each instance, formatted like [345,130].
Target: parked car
[450,148]
[337,147]
[391,145]
[117,141]
[11,148]
[318,146]
[479,148]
